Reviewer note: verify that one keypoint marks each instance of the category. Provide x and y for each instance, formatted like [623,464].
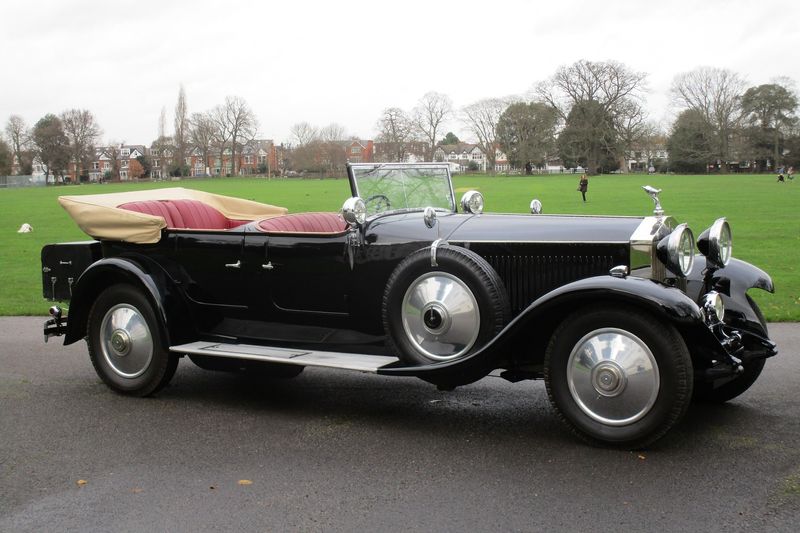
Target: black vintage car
[621,318]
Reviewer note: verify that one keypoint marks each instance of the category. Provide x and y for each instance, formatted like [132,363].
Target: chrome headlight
[354,211]
[713,307]
[676,250]
[716,243]
[472,202]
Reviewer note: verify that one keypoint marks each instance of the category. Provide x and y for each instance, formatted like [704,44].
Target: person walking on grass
[583,186]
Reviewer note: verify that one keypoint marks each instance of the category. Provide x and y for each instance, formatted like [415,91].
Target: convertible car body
[621,318]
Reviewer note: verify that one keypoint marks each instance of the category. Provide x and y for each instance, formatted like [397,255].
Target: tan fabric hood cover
[99,216]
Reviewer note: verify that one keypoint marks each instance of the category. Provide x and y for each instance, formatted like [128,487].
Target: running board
[344,361]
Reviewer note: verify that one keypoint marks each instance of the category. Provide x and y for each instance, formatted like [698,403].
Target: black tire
[594,394]
[251,368]
[423,328]
[125,343]
[705,391]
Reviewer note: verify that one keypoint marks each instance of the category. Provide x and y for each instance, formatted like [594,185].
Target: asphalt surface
[338,451]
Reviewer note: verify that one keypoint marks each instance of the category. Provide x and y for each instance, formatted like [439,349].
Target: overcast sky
[344,62]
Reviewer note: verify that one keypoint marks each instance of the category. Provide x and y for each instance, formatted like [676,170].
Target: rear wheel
[618,376]
[125,344]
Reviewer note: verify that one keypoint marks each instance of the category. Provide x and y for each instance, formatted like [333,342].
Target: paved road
[331,451]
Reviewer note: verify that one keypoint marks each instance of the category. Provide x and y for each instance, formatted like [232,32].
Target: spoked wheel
[441,313]
[125,345]
[618,377]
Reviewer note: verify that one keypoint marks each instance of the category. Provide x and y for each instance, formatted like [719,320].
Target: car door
[212,268]
[308,274]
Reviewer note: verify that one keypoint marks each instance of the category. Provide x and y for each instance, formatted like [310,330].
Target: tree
[449,138]
[303,133]
[395,131]
[606,90]
[241,123]
[589,138]
[5,158]
[181,136]
[771,109]
[83,132]
[19,139]
[221,135]
[526,133]
[691,142]
[716,95]
[51,145]
[112,152]
[202,130]
[482,118]
[432,110]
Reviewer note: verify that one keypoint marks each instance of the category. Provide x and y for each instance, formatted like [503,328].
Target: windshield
[392,187]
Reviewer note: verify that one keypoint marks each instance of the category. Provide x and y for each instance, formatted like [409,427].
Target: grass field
[763,215]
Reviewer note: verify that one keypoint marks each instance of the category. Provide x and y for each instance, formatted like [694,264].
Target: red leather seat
[185,214]
[304,223]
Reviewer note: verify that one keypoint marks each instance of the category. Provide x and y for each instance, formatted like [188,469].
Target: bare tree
[241,123]
[82,131]
[19,137]
[181,136]
[716,94]
[431,113]
[112,152]
[395,131]
[332,151]
[162,145]
[482,118]
[202,130]
[604,96]
[302,133]
[221,134]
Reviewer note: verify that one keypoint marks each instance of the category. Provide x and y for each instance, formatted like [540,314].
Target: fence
[8,182]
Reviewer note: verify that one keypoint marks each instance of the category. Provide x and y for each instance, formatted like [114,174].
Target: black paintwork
[305,290]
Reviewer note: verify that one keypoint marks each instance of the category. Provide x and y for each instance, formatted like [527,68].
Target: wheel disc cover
[440,316]
[125,341]
[613,376]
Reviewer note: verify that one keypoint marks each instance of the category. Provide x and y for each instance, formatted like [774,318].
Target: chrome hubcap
[440,316]
[125,341]
[613,376]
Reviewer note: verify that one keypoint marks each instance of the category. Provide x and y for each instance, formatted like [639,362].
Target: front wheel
[618,376]
[125,345]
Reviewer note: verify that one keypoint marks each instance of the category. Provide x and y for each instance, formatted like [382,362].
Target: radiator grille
[527,277]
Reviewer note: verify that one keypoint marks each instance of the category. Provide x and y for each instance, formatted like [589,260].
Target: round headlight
[472,202]
[716,243]
[713,305]
[354,211]
[676,250]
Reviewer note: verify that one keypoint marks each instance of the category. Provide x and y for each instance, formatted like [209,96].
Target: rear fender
[165,297]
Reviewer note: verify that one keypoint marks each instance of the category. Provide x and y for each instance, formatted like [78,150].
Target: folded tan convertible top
[98,215]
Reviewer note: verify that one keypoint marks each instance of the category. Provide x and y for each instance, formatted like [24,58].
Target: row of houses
[263,156]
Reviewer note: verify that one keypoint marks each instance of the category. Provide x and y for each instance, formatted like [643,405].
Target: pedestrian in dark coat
[583,186]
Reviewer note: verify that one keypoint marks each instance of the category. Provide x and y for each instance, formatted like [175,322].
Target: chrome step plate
[345,361]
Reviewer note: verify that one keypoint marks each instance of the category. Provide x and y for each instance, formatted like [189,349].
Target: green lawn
[763,215]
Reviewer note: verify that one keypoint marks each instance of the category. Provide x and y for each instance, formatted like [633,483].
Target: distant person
[790,173]
[780,176]
[651,170]
[583,186]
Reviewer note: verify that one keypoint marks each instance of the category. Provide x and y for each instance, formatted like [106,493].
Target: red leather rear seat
[304,223]
[187,214]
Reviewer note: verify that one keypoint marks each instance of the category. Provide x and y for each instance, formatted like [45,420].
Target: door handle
[237,264]
[268,266]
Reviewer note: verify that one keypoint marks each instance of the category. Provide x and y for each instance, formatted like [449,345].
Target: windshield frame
[351,175]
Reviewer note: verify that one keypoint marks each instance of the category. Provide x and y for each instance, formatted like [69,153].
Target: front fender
[139,271]
[669,303]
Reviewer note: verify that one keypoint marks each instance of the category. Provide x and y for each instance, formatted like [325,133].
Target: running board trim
[341,360]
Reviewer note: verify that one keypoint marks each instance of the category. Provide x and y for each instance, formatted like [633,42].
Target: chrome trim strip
[434,246]
[643,242]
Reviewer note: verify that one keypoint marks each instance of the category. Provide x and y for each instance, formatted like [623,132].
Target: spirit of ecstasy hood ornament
[653,192]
